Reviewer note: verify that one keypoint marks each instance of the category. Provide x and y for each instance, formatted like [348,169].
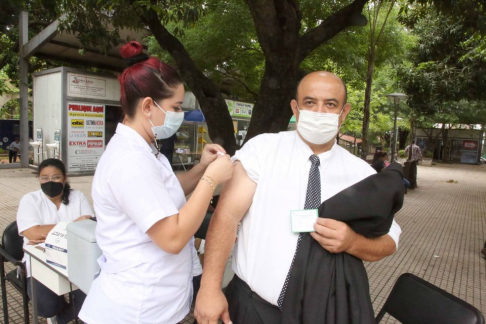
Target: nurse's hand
[211,305]
[221,169]
[209,154]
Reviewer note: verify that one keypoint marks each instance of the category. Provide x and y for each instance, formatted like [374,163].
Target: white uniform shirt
[14,145]
[139,282]
[35,208]
[279,164]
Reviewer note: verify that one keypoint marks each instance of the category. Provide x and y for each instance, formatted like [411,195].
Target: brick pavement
[444,227]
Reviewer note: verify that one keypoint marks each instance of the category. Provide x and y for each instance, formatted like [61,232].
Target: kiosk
[76,112]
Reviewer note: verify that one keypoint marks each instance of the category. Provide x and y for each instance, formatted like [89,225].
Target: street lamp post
[396,98]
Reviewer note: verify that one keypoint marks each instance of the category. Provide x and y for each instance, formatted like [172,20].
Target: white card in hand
[302,221]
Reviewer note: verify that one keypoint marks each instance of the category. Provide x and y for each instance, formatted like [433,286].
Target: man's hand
[211,305]
[333,235]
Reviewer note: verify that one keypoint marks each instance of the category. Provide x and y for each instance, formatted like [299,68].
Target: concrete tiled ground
[444,227]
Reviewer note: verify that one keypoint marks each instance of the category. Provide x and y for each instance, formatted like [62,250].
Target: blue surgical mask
[173,121]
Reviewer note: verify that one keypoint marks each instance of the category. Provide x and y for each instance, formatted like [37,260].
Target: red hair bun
[131,49]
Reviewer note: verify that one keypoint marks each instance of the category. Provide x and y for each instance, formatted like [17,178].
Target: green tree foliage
[264,43]
[449,67]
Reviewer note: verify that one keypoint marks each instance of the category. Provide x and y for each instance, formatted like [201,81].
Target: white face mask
[318,128]
[173,121]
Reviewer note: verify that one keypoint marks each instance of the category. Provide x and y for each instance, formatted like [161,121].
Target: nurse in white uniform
[39,211]
[145,226]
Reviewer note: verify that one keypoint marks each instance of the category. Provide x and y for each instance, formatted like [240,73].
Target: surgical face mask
[173,121]
[52,189]
[318,128]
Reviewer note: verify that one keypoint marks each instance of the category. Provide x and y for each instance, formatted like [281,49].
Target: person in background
[167,147]
[380,161]
[39,211]
[145,225]
[416,152]
[13,150]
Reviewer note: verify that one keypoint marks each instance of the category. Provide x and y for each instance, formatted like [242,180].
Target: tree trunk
[412,137]
[272,112]
[213,106]
[402,138]
[278,25]
[446,155]
[366,108]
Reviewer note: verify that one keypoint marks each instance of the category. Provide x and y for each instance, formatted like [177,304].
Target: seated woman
[381,161]
[39,211]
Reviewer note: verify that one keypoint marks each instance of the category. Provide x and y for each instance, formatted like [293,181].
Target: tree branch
[207,93]
[253,93]
[329,28]
[384,23]
[277,24]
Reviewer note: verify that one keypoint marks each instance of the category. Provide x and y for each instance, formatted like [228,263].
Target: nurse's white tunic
[138,282]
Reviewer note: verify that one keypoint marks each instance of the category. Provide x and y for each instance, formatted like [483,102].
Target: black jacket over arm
[333,288]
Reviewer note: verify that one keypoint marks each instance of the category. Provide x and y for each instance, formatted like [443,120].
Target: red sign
[470,145]
[95,144]
[77,143]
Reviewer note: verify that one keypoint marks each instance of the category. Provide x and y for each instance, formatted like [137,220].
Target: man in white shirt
[270,181]
[13,150]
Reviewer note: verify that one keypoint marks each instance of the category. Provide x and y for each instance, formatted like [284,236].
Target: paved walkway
[443,223]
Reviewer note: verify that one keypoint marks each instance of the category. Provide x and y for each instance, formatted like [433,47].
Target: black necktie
[312,201]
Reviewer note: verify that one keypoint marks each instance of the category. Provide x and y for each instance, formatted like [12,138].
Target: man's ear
[346,110]
[295,110]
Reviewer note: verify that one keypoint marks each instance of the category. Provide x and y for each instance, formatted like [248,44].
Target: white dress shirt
[279,164]
[139,282]
[14,146]
[35,208]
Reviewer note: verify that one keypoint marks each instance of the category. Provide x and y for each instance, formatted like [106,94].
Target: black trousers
[12,155]
[246,307]
[49,304]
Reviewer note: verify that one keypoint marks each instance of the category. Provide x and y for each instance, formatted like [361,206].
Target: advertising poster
[470,145]
[85,136]
[239,109]
[86,85]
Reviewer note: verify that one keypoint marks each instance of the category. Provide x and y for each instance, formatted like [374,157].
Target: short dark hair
[296,92]
[60,166]
[17,138]
[413,142]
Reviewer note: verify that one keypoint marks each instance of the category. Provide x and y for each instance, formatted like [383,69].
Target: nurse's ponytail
[144,77]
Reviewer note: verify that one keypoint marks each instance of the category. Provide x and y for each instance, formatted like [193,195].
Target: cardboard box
[56,246]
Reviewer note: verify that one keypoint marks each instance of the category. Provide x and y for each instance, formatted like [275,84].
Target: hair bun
[132,53]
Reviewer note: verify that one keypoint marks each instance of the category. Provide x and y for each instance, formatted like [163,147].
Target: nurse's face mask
[173,121]
[52,186]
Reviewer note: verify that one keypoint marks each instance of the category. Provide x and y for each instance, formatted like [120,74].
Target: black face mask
[52,189]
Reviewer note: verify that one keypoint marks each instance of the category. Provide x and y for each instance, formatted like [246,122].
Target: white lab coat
[35,208]
[138,282]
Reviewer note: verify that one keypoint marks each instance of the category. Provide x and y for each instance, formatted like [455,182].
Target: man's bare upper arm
[237,195]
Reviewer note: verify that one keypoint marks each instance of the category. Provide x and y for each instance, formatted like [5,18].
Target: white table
[54,278]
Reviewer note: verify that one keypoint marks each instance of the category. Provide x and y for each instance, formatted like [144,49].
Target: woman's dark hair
[144,77]
[60,166]
[379,154]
